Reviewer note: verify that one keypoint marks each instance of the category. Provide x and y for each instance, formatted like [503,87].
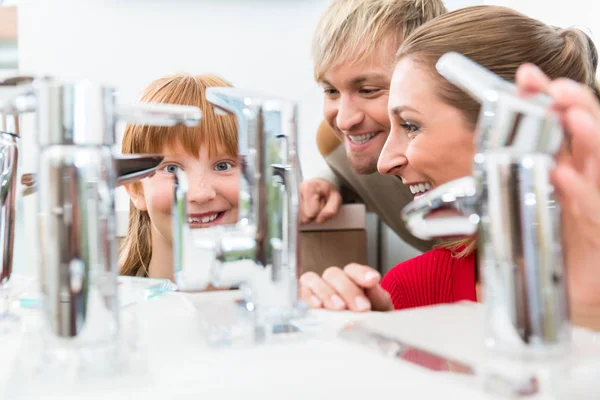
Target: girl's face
[212,198]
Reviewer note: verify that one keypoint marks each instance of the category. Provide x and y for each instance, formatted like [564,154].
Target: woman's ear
[136,195]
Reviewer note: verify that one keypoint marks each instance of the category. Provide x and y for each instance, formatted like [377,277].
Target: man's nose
[349,115]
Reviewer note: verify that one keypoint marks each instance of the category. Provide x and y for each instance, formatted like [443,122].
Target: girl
[208,155]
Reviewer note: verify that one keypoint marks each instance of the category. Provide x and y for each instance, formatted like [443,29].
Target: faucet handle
[16,91]
[525,125]
[16,80]
[159,114]
[444,212]
[475,80]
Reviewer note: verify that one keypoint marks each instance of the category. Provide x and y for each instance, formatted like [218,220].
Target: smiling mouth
[419,189]
[197,221]
[362,139]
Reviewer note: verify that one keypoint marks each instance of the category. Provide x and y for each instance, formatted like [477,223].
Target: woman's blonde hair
[500,39]
[216,132]
[349,30]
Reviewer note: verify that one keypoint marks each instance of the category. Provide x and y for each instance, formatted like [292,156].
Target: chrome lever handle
[446,211]
[159,114]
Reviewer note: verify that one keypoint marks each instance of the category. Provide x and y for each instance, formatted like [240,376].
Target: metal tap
[261,250]
[76,178]
[509,203]
[9,156]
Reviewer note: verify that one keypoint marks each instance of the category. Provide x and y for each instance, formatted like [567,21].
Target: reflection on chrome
[260,251]
[76,177]
[510,202]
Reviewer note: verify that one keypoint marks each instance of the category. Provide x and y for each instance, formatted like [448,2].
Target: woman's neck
[161,262]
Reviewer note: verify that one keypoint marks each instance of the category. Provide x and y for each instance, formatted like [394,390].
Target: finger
[353,296]
[531,80]
[380,299]
[585,143]
[332,206]
[364,276]
[567,93]
[310,205]
[579,197]
[307,295]
[323,291]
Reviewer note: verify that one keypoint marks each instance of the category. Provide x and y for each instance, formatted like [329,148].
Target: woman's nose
[392,157]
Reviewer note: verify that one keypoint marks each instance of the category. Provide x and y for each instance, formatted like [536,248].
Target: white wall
[259,44]
[583,14]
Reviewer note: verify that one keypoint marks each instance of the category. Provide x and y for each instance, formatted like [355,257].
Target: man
[353,49]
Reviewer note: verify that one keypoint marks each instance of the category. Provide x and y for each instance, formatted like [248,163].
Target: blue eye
[223,166]
[171,168]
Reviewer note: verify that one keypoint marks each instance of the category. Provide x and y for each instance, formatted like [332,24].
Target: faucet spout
[510,202]
[447,211]
[261,249]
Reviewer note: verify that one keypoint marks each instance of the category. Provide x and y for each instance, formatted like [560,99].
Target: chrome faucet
[76,177]
[261,250]
[509,203]
[9,156]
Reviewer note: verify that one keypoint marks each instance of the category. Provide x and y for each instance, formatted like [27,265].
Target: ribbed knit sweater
[434,277]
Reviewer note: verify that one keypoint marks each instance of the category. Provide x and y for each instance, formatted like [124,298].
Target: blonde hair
[500,39]
[349,30]
[217,133]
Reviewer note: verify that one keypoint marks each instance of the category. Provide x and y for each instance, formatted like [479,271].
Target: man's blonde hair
[349,30]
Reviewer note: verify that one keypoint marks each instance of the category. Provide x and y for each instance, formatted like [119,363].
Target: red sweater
[434,277]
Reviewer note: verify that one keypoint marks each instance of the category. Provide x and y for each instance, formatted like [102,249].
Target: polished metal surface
[76,177]
[520,250]
[506,120]
[132,168]
[446,211]
[511,202]
[265,240]
[9,152]
[9,156]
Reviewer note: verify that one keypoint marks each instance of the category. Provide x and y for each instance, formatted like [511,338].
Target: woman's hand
[577,180]
[354,288]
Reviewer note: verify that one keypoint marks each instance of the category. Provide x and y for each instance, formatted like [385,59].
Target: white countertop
[313,365]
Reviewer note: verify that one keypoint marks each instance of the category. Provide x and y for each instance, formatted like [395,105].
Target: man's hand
[319,201]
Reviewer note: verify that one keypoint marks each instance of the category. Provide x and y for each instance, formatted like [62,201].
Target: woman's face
[430,143]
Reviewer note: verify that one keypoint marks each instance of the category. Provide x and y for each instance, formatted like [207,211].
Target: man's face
[355,105]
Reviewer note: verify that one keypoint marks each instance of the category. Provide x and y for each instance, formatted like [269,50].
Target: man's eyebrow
[360,79]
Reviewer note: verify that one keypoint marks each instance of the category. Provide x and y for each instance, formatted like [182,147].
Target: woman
[431,143]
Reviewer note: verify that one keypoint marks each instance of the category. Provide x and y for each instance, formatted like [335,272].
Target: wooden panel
[322,249]
[8,23]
